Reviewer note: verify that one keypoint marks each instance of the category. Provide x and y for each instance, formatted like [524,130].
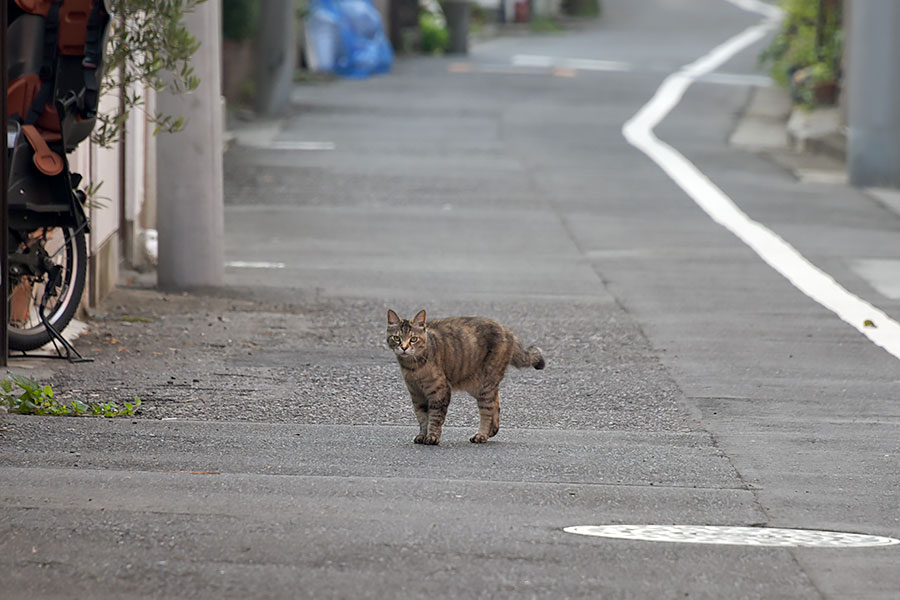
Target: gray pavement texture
[686,381]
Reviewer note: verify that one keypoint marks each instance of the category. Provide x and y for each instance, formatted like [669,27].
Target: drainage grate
[734,536]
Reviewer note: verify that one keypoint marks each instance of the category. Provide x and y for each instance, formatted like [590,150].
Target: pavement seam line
[815,283]
[468,481]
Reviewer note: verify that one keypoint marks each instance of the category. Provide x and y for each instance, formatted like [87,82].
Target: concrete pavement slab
[362,537]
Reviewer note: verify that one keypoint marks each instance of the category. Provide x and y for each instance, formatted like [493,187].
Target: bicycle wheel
[59,246]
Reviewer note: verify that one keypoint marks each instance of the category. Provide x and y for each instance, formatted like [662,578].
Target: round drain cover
[734,536]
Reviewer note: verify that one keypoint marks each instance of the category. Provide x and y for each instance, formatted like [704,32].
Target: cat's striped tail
[527,357]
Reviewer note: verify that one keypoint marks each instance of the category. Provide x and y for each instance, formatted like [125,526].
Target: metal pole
[873,94]
[4,215]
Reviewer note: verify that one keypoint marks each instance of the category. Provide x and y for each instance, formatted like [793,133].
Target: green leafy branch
[23,396]
[148,48]
[805,54]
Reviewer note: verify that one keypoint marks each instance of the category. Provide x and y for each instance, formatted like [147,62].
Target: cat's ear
[419,319]
[393,319]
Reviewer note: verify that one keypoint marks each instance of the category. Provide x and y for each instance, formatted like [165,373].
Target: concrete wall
[124,201]
[104,211]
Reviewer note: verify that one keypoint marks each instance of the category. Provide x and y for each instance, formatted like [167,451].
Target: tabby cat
[460,353]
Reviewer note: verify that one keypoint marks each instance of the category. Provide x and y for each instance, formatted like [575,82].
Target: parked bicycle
[54,50]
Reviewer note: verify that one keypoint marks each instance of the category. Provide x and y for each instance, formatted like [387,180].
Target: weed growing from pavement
[35,399]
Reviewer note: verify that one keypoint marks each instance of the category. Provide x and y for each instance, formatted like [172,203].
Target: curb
[818,131]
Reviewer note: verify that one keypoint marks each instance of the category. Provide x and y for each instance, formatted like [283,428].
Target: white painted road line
[869,320]
[583,64]
[249,264]
[534,64]
[587,64]
[301,145]
[735,536]
[530,60]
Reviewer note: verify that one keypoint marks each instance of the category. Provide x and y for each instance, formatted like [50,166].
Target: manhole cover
[734,536]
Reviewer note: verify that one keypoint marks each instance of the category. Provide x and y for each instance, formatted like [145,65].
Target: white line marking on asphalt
[531,60]
[781,256]
[587,64]
[249,264]
[253,141]
[735,536]
[583,64]
[771,12]
[298,145]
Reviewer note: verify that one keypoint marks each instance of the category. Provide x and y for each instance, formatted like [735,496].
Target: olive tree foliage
[148,47]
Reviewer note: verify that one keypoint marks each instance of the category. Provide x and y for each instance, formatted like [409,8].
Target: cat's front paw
[431,440]
[419,439]
[478,438]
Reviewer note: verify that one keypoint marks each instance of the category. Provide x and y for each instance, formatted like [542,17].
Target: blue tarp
[347,37]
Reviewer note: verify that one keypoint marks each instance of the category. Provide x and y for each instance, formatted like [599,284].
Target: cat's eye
[395,338]
[413,339]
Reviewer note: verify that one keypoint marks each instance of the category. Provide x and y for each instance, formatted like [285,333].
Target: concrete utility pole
[190,204]
[276,58]
[873,93]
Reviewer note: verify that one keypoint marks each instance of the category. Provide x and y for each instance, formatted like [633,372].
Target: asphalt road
[688,383]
